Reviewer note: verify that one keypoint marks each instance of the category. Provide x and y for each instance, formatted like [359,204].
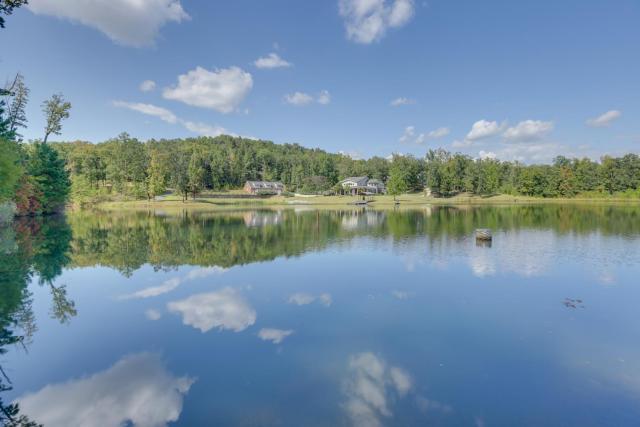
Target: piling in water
[483,234]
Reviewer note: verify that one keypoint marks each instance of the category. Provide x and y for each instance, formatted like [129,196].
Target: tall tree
[55,109]
[16,109]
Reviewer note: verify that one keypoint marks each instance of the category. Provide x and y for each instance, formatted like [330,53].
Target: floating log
[483,234]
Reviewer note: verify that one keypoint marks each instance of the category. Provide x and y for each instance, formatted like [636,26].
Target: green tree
[10,168]
[49,176]
[55,110]
[16,115]
[197,173]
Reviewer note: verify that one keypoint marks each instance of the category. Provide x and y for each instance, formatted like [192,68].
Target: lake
[302,317]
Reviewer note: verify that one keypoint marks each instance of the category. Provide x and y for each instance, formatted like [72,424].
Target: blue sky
[518,80]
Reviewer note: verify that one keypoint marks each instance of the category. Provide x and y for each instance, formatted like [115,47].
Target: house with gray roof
[263,187]
[362,185]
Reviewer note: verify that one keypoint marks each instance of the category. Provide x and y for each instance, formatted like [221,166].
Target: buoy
[483,234]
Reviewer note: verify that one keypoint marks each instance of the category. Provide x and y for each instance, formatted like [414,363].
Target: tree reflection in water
[30,247]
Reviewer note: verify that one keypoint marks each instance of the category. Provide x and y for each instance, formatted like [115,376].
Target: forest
[125,166]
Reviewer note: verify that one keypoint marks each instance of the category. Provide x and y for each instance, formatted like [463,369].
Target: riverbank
[383,201]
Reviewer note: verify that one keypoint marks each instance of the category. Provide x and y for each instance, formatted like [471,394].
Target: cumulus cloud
[367,21]
[484,129]
[605,119]
[134,23]
[138,390]
[148,109]
[302,298]
[409,135]
[276,336]
[171,284]
[225,309]
[401,101]
[147,86]
[371,387]
[300,99]
[272,60]
[221,90]
[528,130]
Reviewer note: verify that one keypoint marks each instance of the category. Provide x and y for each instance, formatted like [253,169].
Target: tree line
[125,166]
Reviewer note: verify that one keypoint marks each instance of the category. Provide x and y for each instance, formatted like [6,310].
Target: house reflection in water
[262,218]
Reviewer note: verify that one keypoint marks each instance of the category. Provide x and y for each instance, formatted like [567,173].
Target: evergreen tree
[48,175]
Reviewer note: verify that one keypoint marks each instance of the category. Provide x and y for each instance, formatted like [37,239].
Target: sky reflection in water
[355,317]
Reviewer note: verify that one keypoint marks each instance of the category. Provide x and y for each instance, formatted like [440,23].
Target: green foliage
[48,177]
[10,168]
[55,110]
[127,168]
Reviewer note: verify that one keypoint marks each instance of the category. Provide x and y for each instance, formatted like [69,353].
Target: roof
[363,181]
[264,184]
[359,180]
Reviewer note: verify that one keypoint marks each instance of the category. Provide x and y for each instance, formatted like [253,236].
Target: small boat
[361,202]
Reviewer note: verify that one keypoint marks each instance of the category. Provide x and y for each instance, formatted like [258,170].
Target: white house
[362,185]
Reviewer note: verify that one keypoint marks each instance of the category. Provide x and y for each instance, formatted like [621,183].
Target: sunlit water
[323,318]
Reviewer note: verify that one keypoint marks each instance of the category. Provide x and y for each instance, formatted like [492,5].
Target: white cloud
[205,129]
[148,109]
[224,309]
[484,129]
[276,336]
[367,21]
[401,101]
[147,86]
[138,390]
[324,98]
[439,133]
[370,387]
[128,22]
[202,272]
[272,60]
[300,99]
[153,314]
[302,298]
[528,130]
[486,154]
[409,135]
[531,152]
[171,284]
[222,89]
[605,119]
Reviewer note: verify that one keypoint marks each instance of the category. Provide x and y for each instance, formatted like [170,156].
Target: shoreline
[314,202]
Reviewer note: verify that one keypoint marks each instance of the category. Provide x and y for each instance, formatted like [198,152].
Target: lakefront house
[264,187]
[362,185]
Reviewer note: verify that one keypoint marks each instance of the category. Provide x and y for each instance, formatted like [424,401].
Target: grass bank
[383,201]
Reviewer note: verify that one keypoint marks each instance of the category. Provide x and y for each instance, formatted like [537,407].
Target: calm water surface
[324,318]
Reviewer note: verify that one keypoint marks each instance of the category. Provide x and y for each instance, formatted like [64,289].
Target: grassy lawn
[172,202]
